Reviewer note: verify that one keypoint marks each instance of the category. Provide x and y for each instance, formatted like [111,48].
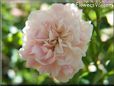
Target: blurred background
[99,61]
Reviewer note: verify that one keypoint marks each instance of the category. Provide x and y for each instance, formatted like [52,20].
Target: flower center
[59,39]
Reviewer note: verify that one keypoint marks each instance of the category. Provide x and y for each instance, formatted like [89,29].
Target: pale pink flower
[55,41]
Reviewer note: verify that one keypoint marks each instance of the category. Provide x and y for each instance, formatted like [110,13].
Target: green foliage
[99,61]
